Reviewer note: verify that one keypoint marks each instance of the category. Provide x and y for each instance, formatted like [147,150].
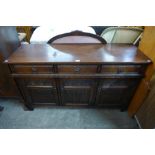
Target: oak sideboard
[91,75]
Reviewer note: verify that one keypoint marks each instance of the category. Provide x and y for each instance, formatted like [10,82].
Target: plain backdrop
[62,13]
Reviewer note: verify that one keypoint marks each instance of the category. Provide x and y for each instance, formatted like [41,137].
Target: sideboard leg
[1,108]
[29,107]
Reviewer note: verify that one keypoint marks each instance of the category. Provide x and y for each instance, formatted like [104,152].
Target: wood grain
[75,54]
[104,75]
[147,46]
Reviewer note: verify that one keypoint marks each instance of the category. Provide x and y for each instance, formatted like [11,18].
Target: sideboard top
[77,53]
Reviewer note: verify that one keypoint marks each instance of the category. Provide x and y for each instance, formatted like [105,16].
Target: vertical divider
[58,85]
[97,82]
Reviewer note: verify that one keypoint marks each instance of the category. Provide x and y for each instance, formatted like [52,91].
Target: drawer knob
[34,69]
[76,68]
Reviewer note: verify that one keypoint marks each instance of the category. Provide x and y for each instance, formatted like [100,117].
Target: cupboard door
[116,93]
[43,95]
[77,91]
[39,90]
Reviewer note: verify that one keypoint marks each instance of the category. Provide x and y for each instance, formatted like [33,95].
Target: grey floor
[14,117]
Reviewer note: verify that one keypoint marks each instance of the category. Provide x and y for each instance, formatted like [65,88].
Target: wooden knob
[76,68]
[34,69]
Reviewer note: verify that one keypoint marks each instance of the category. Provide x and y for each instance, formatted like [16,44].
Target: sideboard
[91,75]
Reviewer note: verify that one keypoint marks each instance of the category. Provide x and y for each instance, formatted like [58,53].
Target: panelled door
[116,92]
[39,90]
[77,91]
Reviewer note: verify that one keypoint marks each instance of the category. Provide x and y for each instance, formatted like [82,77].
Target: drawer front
[122,69]
[33,69]
[77,69]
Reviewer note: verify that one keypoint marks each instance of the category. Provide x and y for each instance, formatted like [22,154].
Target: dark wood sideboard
[93,75]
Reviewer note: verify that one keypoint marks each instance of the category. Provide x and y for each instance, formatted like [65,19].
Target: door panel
[43,95]
[39,90]
[116,92]
[77,91]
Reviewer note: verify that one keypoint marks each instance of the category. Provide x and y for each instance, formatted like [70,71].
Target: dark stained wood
[76,91]
[39,90]
[77,37]
[8,44]
[77,69]
[136,75]
[77,54]
[122,69]
[116,92]
[105,76]
[31,69]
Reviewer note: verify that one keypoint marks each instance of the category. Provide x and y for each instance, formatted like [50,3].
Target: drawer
[85,69]
[120,69]
[33,69]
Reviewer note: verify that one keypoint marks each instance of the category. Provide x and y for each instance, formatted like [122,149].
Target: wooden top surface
[75,53]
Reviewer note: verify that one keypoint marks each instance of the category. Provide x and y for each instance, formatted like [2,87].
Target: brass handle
[34,69]
[76,68]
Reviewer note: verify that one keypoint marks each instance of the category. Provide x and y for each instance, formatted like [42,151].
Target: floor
[14,117]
